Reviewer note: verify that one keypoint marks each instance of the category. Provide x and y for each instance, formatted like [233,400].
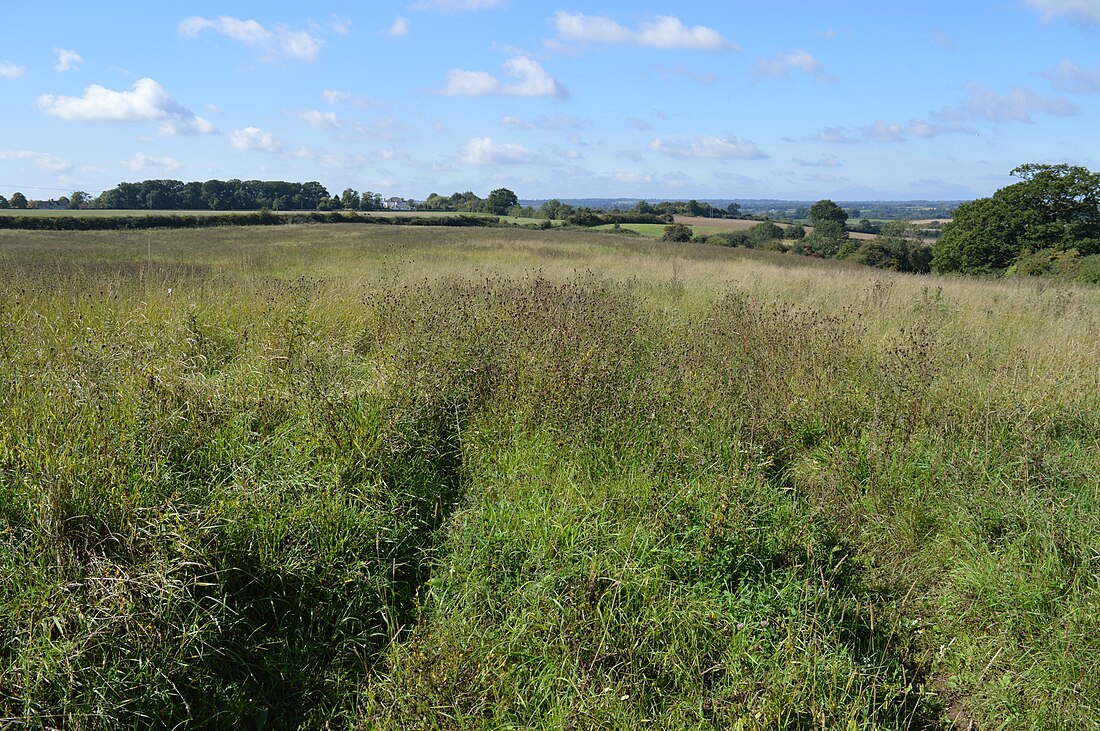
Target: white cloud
[44,160]
[320,120]
[393,155]
[337,96]
[633,178]
[882,131]
[483,151]
[457,6]
[830,161]
[141,163]
[1068,76]
[796,60]
[1084,10]
[399,28]
[253,139]
[706,147]
[67,60]
[833,134]
[1015,106]
[552,122]
[147,101]
[664,32]
[11,71]
[279,43]
[341,26]
[533,81]
[509,121]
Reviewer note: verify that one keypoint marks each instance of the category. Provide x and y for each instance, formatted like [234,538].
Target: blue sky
[855,100]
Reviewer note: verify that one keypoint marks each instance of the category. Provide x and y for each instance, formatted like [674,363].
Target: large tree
[18,200]
[500,201]
[829,232]
[1053,207]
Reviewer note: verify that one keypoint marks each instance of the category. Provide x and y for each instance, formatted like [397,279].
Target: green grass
[346,477]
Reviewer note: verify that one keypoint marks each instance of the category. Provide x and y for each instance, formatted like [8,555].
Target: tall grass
[300,478]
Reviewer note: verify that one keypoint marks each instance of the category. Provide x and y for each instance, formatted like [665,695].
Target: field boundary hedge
[261,218]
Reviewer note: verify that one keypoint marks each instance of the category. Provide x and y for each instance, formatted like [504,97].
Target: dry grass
[346,476]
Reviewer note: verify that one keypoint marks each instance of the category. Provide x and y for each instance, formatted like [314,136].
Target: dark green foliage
[500,202]
[731,238]
[216,195]
[677,232]
[795,232]
[1053,207]
[763,233]
[18,200]
[824,211]
[897,247]
[826,238]
[262,218]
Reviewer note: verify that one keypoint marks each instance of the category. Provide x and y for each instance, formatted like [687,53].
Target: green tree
[350,199]
[826,238]
[825,210]
[762,233]
[897,247]
[4,204]
[79,199]
[1054,207]
[795,232]
[677,232]
[500,201]
[18,200]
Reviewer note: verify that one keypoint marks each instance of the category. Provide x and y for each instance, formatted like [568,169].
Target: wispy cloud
[553,122]
[706,147]
[399,28]
[141,163]
[533,81]
[1016,105]
[484,151]
[664,32]
[681,71]
[1068,76]
[11,70]
[338,96]
[281,42]
[796,60]
[1087,11]
[67,60]
[320,120]
[44,160]
[830,161]
[253,139]
[457,6]
[883,131]
[146,101]
[939,37]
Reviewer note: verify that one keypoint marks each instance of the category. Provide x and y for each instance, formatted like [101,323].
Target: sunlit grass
[360,477]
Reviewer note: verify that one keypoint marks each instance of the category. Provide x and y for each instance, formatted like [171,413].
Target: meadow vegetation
[395,477]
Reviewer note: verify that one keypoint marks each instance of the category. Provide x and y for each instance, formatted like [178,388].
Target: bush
[678,233]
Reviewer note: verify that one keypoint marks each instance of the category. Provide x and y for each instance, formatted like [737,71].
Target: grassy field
[353,477]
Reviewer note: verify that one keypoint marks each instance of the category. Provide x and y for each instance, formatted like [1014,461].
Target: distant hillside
[785,209]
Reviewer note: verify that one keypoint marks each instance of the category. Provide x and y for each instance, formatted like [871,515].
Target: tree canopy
[1053,207]
[500,201]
